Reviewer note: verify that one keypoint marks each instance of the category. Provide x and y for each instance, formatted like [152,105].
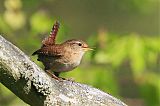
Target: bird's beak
[87,48]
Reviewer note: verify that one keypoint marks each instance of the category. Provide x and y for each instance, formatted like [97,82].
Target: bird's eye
[79,44]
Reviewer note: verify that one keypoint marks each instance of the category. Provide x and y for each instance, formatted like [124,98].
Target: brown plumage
[51,39]
[60,57]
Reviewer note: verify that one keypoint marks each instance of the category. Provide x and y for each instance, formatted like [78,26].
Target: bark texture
[30,83]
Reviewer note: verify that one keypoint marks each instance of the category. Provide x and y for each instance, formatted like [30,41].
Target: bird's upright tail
[50,40]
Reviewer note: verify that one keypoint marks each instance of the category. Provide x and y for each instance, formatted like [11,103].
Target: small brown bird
[62,57]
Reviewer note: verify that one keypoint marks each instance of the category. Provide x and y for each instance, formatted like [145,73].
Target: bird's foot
[69,79]
[54,76]
[59,78]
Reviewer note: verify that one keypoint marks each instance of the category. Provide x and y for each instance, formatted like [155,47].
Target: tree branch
[30,83]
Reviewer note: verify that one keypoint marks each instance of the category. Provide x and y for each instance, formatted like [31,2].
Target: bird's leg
[57,75]
[53,76]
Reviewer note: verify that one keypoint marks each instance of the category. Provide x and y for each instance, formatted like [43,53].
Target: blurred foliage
[13,15]
[124,65]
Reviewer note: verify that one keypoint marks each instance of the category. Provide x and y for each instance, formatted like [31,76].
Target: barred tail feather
[51,39]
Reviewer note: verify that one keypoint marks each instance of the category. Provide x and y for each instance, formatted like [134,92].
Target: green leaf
[41,23]
[136,55]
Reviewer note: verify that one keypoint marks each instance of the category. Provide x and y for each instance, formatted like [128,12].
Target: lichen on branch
[29,82]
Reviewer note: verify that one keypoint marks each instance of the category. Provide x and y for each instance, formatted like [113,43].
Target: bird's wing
[50,40]
[49,51]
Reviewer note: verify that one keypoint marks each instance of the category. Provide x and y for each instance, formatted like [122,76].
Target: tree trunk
[30,83]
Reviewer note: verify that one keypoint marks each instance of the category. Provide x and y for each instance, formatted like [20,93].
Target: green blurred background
[125,34]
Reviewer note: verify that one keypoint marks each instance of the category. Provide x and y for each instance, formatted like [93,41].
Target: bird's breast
[66,63]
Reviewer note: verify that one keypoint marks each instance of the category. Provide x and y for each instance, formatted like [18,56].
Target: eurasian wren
[62,57]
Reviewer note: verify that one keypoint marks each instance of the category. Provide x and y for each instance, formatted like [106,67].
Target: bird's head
[78,45]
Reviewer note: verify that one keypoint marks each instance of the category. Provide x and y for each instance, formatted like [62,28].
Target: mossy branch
[30,83]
